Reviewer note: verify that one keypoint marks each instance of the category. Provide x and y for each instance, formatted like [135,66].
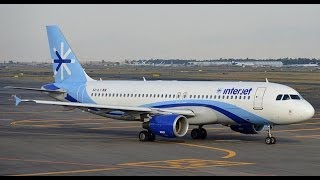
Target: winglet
[18,100]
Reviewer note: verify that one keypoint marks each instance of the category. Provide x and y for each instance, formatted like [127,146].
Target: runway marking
[104,121]
[57,125]
[184,164]
[69,135]
[43,125]
[229,155]
[34,112]
[52,162]
[295,130]
[67,172]
[115,127]
[309,136]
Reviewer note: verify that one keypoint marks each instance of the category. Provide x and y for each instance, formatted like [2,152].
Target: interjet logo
[237,91]
[62,61]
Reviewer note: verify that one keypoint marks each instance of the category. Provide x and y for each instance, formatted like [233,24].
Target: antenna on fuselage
[267,81]
[144,79]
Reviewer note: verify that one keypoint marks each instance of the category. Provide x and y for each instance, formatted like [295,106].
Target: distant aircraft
[303,65]
[167,108]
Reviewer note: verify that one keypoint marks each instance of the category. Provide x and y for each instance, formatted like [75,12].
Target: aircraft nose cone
[309,111]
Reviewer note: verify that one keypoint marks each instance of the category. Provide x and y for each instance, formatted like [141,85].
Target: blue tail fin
[66,66]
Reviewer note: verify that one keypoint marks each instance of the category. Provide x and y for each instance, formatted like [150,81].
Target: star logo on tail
[62,61]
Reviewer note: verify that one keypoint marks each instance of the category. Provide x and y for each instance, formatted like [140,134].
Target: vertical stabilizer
[66,67]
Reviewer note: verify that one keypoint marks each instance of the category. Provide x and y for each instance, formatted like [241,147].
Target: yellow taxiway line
[67,172]
[183,164]
[229,155]
[51,162]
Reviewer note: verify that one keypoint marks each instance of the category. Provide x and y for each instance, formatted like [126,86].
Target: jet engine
[169,126]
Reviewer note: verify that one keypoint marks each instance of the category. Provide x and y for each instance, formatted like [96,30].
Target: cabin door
[258,98]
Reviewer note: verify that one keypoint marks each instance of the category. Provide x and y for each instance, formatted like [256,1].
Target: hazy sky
[118,32]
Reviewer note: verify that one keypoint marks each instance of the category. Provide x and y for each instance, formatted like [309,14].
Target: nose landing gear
[270,140]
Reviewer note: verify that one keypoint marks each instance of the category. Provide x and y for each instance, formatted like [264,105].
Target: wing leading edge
[184,112]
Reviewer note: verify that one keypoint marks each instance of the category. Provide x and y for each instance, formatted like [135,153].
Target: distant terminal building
[238,63]
[210,63]
[243,63]
[259,63]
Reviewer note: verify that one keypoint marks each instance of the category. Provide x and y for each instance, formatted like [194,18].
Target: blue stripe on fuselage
[235,113]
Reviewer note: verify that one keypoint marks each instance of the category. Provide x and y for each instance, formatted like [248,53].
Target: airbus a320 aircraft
[167,108]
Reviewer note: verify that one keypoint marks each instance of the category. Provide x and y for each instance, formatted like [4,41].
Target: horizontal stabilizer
[35,89]
[18,100]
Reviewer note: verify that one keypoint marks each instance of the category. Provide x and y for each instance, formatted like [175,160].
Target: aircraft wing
[185,112]
[35,89]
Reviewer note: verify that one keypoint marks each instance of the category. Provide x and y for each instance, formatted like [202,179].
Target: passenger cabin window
[296,97]
[286,97]
[279,97]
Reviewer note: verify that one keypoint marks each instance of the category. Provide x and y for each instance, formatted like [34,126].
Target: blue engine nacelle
[247,129]
[169,126]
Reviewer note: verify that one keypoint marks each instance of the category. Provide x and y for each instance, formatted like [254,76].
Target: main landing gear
[146,136]
[199,133]
[270,139]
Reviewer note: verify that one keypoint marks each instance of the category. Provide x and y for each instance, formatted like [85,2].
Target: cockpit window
[293,96]
[279,97]
[286,97]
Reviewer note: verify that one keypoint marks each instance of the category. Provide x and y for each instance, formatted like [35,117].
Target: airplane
[167,108]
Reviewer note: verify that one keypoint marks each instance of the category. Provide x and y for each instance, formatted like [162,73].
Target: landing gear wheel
[195,133]
[144,136]
[152,136]
[268,140]
[203,133]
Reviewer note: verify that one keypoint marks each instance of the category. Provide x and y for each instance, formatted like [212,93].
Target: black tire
[152,136]
[268,140]
[203,133]
[273,140]
[195,133]
[144,136]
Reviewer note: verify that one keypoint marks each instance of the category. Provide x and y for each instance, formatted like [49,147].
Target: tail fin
[65,64]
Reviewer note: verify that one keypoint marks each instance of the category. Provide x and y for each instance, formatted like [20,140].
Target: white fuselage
[212,101]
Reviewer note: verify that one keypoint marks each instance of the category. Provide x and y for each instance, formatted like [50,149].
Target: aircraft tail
[65,64]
